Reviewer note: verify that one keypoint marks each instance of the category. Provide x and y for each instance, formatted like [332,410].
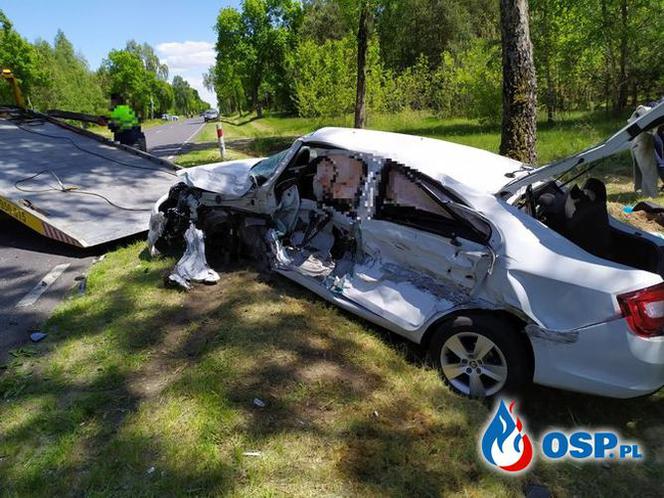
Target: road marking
[31,297]
[170,158]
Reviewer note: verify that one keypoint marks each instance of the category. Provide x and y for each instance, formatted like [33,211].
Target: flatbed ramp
[74,186]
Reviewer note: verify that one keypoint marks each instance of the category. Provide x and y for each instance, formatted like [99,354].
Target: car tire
[480,356]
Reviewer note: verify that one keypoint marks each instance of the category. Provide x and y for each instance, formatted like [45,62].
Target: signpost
[220,141]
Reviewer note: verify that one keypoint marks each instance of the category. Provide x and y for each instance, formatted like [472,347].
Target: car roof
[475,168]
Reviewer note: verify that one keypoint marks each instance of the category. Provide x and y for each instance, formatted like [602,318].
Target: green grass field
[141,390]
[570,134]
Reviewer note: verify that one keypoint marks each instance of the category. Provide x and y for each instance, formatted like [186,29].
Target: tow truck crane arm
[8,76]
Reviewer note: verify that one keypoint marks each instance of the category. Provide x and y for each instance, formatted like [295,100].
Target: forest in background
[300,57]
[55,76]
[442,56]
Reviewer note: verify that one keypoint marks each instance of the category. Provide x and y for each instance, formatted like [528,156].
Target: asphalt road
[169,140]
[36,273]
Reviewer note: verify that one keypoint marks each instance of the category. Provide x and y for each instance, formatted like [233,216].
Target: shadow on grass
[83,433]
[260,146]
[606,124]
[232,122]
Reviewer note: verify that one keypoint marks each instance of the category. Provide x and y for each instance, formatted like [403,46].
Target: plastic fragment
[193,266]
[37,336]
[253,453]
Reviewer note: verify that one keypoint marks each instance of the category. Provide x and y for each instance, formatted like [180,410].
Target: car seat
[588,224]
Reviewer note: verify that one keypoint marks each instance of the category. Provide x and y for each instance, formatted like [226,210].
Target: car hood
[639,123]
[230,178]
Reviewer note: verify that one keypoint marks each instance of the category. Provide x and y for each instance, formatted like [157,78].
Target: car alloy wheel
[473,364]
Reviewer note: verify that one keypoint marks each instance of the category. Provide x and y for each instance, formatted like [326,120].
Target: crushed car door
[421,253]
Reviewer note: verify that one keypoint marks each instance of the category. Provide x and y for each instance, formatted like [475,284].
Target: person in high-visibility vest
[124,124]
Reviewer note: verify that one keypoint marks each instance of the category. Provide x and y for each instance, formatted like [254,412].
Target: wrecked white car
[505,273]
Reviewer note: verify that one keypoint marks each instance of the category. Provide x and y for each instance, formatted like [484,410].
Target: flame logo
[504,443]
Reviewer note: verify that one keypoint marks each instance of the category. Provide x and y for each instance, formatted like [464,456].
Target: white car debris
[508,274]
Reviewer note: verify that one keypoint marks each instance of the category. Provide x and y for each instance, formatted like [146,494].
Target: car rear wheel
[480,356]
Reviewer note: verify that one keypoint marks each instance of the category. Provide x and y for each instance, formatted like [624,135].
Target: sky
[181,32]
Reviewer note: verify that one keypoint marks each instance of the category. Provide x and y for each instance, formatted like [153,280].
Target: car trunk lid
[616,143]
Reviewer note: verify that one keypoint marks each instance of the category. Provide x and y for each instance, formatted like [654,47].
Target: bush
[325,78]
[468,84]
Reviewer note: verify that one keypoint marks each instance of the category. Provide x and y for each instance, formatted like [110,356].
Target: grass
[572,133]
[144,391]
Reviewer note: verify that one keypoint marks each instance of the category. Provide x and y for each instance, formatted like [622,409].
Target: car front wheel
[480,356]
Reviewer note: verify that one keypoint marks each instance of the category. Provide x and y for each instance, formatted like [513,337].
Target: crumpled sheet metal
[193,266]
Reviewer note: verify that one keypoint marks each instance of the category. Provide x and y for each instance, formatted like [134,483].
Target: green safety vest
[124,117]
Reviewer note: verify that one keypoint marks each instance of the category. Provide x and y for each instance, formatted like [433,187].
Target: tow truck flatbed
[72,185]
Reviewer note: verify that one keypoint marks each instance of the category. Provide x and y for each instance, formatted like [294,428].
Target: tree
[69,83]
[150,60]
[126,76]
[519,85]
[252,48]
[185,98]
[19,56]
[163,93]
[409,29]
[323,20]
[362,45]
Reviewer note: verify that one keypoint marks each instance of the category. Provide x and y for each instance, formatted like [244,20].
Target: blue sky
[180,31]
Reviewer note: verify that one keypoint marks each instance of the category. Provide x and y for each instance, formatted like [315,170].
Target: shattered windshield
[263,170]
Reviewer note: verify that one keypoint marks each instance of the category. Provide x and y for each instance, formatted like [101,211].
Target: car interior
[324,185]
[579,213]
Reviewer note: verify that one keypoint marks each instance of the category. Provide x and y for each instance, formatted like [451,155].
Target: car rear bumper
[605,359]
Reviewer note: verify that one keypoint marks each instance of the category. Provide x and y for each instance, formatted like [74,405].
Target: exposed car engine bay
[311,230]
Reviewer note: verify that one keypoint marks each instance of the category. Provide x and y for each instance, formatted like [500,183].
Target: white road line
[31,297]
[170,158]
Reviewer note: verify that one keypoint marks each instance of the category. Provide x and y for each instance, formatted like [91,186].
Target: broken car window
[403,192]
[338,180]
[263,170]
[419,203]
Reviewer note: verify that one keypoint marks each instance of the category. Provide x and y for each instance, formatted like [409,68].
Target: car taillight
[644,310]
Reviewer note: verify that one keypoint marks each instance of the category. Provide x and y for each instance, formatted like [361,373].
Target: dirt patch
[638,219]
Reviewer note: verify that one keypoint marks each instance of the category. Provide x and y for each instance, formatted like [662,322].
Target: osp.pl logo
[505,446]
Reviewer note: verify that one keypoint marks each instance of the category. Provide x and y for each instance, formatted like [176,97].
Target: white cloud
[190,59]
[188,54]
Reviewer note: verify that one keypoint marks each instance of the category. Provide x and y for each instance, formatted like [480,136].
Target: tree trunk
[519,84]
[621,102]
[635,93]
[362,45]
[546,56]
[256,101]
